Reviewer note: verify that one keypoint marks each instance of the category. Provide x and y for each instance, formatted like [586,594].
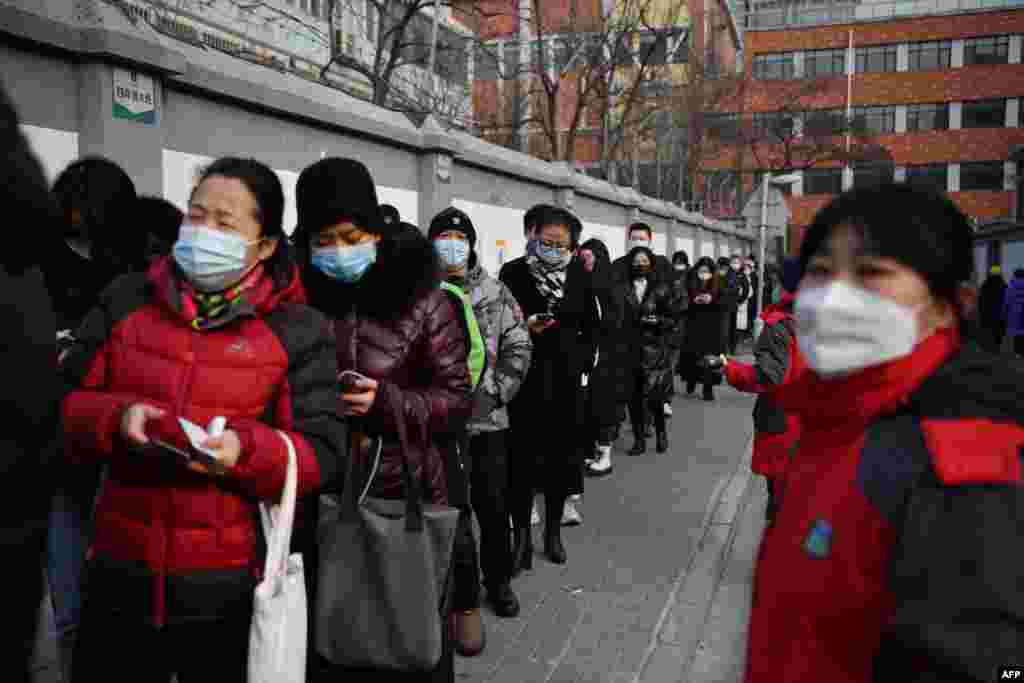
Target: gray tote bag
[383,571]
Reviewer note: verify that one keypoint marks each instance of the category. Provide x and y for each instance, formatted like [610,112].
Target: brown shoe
[468,632]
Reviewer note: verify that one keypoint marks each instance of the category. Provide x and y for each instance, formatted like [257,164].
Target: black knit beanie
[334,189]
[920,228]
[453,219]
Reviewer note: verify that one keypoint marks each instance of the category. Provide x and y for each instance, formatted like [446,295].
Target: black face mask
[641,271]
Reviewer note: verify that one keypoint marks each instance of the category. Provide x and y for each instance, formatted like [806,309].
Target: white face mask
[843,329]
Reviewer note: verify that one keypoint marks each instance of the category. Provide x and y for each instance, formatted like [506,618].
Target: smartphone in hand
[349,380]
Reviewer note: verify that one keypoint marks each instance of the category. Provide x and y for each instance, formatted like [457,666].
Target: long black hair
[266,188]
[103,195]
[25,195]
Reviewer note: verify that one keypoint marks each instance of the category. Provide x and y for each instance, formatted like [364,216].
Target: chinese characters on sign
[134,97]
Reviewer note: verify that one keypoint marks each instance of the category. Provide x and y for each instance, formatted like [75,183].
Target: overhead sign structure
[134,97]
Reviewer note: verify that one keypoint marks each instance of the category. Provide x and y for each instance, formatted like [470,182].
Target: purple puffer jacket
[1013,308]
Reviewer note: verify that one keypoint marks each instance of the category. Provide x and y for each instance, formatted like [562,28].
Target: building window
[774,67]
[873,174]
[927,117]
[776,125]
[990,50]
[723,127]
[825,123]
[874,120]
[876,59]
[485,68]
[981,175]
[824,63]
[928,175]
[823,181]
[984,114]
[930,56]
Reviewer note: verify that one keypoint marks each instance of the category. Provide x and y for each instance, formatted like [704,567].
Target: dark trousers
[111,645]
[24,573]
[487,466]
[641,408]
[555,474]
[734,332]
[1018,345]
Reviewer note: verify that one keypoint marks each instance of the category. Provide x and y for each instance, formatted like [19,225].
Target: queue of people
[388,368]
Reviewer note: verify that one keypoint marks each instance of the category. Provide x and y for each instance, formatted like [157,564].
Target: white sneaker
[570,515]
[668,409]
[603,463]
[535,515]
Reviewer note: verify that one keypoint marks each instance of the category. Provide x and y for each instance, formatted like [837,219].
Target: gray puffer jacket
[509,349]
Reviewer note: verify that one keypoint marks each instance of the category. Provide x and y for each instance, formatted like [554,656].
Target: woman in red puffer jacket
[894,555]
[219,329]
[396,326]
[776,362]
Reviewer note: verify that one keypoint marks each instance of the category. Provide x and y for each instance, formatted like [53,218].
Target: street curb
[677,635]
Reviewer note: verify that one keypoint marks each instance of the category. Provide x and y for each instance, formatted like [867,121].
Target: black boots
[503,600]
[639,447]
[553,547]
[709,393]
[662,445]
[522,551]
[691,388]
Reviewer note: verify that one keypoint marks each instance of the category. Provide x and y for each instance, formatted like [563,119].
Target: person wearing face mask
[706,333]
[737,291]
[509,349]
[396,326]
[562,318]
[530,235]
[641,235]
[655,312]
[611,381]
[102,239]
[887,561]
[750,272]
[680,289]
[776,362]
[217,329]
[1013,311]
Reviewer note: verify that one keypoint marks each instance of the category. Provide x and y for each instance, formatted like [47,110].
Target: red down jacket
[171,544]
[894,553]
[777,361]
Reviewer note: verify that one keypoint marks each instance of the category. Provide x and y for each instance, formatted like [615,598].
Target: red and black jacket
[776,362]
[170,544]
[894,556]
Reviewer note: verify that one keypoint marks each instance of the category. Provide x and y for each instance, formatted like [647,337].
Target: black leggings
[639,405]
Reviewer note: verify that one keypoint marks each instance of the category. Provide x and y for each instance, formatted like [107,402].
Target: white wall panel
[499,232]
[406,201]
[56,149]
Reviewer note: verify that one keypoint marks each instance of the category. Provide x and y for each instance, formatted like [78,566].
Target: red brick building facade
[940,95]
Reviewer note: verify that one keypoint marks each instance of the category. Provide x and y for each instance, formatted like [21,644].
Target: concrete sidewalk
[632,603]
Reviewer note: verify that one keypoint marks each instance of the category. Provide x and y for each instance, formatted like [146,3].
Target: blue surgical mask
[453,253]
[553,256]
[345,264]
[212,260]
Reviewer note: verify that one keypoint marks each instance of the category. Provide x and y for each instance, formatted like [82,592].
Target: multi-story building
[296,36]
[650,61]
[929,91]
